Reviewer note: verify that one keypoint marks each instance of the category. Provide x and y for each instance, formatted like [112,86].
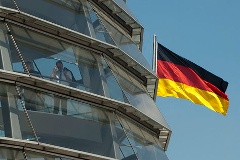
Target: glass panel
[112,87]
[123,147]
[143,142]
[57,61]
[86,128]
[62,63]
[137,95]
[124,6]
[10,154]
[7,3]
[98,30]
[115,5]
[126,45]
[70,13]
[83,127]
[14,123]
[76,15]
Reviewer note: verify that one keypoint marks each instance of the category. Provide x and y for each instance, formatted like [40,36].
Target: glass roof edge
[143,74]
[26,15]
[136,22]
[128,23]
[148,74]
[48,149]
[148,119]
[9,9]
[156,125]
[163,135]
[133,18]
[67,29]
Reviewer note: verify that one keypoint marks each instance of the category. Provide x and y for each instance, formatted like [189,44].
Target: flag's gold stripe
[211,100]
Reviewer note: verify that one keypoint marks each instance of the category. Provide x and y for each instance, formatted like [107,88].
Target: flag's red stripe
[185,75]
[165,54]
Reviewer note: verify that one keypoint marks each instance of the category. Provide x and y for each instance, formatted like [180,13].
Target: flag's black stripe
[165,54]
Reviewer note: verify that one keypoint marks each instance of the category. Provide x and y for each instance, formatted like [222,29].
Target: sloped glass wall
[86,69]
[76,15]
[145,145]
[114,5]
[125,43]
[137,94]
[11,154]
[90,71]
[84,127]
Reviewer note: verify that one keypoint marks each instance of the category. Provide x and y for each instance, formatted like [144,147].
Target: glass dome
[63,98]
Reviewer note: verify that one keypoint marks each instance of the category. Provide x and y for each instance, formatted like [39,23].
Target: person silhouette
[61,75]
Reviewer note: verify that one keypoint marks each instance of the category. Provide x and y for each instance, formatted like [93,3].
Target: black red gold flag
[181,78]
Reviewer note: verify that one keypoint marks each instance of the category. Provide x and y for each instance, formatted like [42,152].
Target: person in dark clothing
[61,75]
[31,70]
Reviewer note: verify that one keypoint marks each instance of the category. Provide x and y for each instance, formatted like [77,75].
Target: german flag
[181,78]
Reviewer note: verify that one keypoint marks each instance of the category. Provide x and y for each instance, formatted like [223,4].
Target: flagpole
[154,63]
[154,60]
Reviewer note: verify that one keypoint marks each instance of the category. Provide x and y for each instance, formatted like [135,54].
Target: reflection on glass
[123,5]
[7,3]
[97,28]
[10,154]
[126,44]
[113,88]
[144,144]
[63,63]
[85,127]
[136,94]
[76,15]
[14,123]
[125,151]
[81,66]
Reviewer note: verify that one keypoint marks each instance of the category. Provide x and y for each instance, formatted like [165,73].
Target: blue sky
[207,32]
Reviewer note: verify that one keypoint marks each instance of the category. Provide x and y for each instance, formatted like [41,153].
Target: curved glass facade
[80,17]
[84,127]
[72,14]
[73,96]
[91,71]
[88,68]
